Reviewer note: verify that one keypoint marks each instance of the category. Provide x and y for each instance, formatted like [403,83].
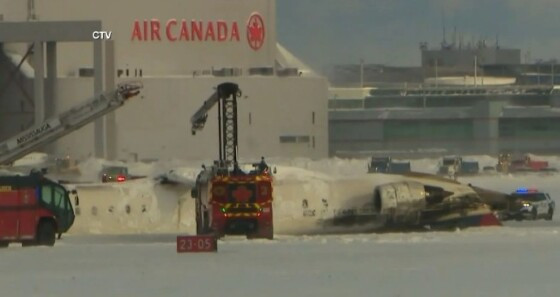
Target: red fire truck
[230,200]
[234,202]
[33,209]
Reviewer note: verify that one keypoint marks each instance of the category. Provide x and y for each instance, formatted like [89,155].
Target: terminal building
[472,100]
[56,54]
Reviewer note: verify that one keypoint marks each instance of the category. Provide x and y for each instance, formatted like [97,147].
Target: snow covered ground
[509,261]
[520,259]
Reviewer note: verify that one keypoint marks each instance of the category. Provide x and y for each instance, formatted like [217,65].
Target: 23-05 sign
[196,244]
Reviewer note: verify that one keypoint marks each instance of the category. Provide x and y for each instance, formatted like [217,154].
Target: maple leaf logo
[255,31]
[242,194]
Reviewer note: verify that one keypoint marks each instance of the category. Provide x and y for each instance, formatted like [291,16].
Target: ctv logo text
[103,35]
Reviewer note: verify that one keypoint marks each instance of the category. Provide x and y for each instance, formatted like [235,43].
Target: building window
[303,139]
[250,119]
[313,118]
[459,129]
[288,139]
[295,139]
[529,127]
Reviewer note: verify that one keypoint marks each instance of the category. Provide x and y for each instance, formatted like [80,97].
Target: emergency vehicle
[229,199]
[33,209]
[234,203]
[529,203]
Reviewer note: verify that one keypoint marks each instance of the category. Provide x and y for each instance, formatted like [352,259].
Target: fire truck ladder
[226,97]
[70,120]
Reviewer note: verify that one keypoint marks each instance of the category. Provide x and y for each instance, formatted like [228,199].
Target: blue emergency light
[525,190]
[522,190]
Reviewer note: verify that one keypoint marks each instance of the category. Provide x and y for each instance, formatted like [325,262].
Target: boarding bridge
[70,120]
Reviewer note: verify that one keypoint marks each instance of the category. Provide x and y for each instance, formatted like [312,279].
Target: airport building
[56,54]
[471,100]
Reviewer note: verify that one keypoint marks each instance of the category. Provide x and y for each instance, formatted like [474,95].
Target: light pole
[361,73]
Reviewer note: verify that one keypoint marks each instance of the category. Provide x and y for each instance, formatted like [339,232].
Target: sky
[326,32]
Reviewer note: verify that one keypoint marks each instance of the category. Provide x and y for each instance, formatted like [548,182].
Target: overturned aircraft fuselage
[382,202]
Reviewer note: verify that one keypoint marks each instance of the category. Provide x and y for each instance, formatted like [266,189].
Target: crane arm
[223,91]
[226,97]
[68,121]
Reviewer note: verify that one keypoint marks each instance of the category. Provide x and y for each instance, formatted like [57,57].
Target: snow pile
[132,207]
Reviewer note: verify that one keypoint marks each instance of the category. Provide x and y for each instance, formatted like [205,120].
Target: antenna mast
[444,42]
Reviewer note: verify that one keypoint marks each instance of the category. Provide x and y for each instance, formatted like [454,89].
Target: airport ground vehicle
[512,163]
[114,174]
[33,209]
[230,200]
[454,165]
[65,166]
[387,165]
[529,203]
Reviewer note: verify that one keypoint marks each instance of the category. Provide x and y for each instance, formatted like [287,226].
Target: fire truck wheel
[199,228]
[199,225]
[202,227]
[206,226]
[4,244]
[46,233]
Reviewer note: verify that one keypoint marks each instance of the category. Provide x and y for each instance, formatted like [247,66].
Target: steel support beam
[38,82]
[59,31]
[99,124]
[50,90]
[110,118]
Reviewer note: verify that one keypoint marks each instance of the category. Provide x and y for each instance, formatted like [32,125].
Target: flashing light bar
[526,190]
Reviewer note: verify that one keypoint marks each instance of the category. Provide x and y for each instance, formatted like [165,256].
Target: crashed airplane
[306,202]
[424,200]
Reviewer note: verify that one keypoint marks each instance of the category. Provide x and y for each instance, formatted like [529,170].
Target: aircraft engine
[403,202]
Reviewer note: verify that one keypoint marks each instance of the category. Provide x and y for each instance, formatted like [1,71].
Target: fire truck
[231,199]
[33,209]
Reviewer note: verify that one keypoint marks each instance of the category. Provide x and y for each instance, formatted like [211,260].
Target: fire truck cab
[234,202]
[33,209]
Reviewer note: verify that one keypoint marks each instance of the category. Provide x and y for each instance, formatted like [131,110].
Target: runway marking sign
[197,244]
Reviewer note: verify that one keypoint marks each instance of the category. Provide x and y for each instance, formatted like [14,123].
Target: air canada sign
[182,30]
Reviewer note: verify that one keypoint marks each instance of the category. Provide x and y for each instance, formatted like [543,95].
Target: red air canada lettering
[176,30]
[183,30]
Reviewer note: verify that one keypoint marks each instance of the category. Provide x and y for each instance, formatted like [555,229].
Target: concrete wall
[159,57]
[157,124]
